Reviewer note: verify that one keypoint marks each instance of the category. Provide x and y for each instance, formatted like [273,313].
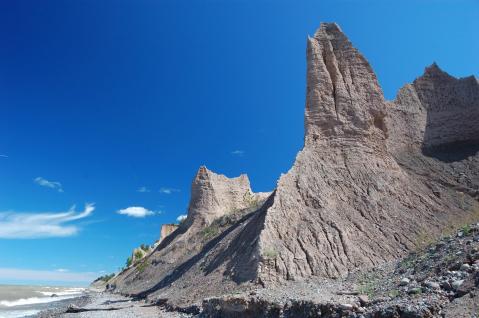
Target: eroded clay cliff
[346,203]
[214,195]
[362,191]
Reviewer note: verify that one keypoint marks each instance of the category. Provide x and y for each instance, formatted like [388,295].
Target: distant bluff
[375,178]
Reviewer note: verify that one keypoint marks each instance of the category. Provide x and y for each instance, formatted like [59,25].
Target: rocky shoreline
[440,280]
[102,304]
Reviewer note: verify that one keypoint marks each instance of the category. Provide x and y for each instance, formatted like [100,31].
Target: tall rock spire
[343,97]
[346,203]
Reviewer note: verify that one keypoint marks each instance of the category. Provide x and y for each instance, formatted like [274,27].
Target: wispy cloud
[49,184]
[3,156]
[143,190]
[238,152]
[14,274]
[136,212]
[165,190]
[62,270]
[15,225]
[181,218]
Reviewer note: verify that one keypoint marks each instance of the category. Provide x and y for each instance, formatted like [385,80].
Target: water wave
[18,313]
[34,300]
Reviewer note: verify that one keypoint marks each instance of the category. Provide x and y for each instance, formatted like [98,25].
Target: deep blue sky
[106,97]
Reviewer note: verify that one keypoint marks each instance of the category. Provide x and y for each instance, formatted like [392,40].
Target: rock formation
[346,203]
[361,192]
[166,229]
[435,110]
[214,195]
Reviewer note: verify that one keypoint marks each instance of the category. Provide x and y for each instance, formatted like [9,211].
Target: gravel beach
[99,304]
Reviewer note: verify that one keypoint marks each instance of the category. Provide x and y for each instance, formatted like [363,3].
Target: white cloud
[4,156]
[136,212]
[168,190]
[143,190]
[181,218]
[238,152]
[15,225]
[49,184]
[62,270]
[11,274]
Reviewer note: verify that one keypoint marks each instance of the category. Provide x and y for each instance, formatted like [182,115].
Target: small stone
[404,282]
[348,307]
[440,244]
[363,300]
[73,309]
[457,283]
[465,267]
[414,291]
[433,285]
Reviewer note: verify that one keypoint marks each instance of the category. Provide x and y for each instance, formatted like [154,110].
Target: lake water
[22,301]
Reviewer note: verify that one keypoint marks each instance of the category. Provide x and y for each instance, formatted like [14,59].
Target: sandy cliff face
[361,192]
[437,110]
[214,195]
[346,203]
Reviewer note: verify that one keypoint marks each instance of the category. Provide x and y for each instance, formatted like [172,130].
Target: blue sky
[100,100]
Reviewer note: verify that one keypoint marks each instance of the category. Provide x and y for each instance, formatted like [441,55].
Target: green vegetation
[368,284]
[407,262]
[138,254]
[250,200]
[145,247]
[393,293]
[368,288]
[466,229]
[129,261]
[104,278]
[426,239]
[142,266]
[270,253]
[210,232]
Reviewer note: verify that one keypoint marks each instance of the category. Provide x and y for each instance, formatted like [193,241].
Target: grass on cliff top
[139,254]
[104,278]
